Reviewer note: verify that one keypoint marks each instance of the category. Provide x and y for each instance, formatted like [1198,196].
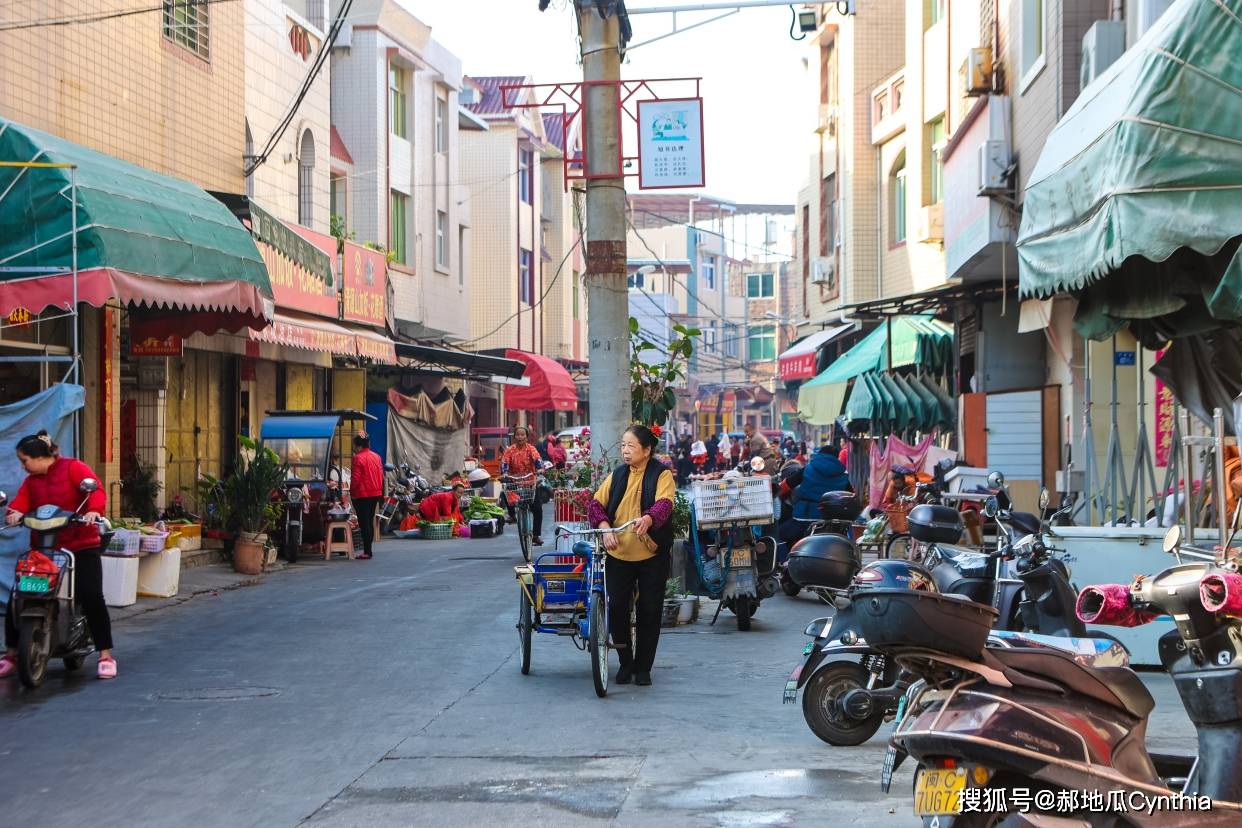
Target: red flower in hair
[657,431]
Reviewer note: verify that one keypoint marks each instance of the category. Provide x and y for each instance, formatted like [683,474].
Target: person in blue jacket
[824,473]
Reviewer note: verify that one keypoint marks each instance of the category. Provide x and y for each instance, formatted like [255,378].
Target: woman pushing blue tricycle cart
[569,598]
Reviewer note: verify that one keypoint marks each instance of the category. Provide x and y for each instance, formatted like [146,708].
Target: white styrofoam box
[159,575]
[966,479]
[120,581]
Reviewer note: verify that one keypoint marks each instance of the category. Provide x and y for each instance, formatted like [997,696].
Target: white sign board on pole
[670,143]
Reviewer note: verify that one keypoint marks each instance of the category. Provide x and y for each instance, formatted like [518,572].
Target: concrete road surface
[387,692]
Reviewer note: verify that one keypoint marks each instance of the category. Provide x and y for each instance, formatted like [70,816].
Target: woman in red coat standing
[52,479]
[366,488]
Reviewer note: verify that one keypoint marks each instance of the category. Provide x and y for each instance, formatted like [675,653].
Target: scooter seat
[1118,687]
[968,562]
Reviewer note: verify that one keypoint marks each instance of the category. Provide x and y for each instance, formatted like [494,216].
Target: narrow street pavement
[387,692]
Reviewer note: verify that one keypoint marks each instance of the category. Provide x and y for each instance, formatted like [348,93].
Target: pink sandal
[8,666]
[107,668]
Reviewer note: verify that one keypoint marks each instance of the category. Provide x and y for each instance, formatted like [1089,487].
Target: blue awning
[313,427]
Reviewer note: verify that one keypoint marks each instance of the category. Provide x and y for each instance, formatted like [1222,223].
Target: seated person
[443,506]
[824,473]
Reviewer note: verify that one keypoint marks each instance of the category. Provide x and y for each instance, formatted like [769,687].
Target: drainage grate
[219,694]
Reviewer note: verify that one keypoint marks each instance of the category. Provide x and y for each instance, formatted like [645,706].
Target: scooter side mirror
[756,464]
[1044,498]
[88,485]
[990,508]
[4,498]
[389,467]
[1172,539]
[995,480]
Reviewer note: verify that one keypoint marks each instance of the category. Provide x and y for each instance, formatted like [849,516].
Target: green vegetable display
[480,509]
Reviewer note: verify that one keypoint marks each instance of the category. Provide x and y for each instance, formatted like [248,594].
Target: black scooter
[1054,720]
[43,599]
[851,688]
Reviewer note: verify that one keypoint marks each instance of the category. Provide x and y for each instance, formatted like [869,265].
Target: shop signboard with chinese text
[670,143]
[308,337]
[1164,421]
[301,268]
[364,296]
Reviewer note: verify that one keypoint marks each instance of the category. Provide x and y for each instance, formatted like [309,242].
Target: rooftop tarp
[1136,200]
[916,340]
[551,387]
[146,239]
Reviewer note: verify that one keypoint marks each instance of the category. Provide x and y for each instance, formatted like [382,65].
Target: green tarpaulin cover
[916,340]
[131,221]
[1136,201]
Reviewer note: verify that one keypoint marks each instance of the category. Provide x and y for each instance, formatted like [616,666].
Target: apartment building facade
[398,183]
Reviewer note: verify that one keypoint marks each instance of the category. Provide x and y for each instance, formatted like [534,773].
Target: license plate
[32,583]
[810,646]
[741,557]
[939,792]
[791,692]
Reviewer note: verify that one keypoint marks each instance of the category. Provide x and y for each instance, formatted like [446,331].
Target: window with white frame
[730,341]
[186,24]
[442,255]
[338,196]
[398,216]
[937,139]
[759,286]
[1032,37]
[708,270]
[442,125]
[526,277]
[709,338]
[526,189]
[899,200]
[762,343]
[306,179]
[398,92]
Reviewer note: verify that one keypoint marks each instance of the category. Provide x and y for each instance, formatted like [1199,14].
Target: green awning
[916,340]
[147,239]
[893,402]
[1136,200]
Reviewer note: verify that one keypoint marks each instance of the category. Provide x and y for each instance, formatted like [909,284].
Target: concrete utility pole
[608,328]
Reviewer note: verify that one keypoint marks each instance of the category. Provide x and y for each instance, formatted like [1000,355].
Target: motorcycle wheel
[33,648]
[598,645]
[788,586]
[526,626]
[822,711]
[73,663]
[898,547]
[742,609]
[291,551]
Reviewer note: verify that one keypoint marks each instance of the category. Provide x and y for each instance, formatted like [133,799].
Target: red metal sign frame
[569,97]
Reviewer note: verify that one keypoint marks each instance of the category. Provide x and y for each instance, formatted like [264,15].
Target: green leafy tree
[652,382]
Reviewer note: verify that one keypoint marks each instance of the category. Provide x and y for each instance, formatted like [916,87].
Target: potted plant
[257,472]
[139,490]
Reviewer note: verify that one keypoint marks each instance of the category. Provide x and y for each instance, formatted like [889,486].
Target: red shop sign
[365,294]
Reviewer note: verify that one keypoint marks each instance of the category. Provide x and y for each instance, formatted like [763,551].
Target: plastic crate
[437,531]
[732,500]
[151,544]
[124,543]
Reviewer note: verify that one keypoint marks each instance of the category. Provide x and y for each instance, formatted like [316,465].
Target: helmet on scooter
[893,575]
[823,561]
[787,470]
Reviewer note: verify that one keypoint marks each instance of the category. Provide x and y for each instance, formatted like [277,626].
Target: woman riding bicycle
[641,489]
[521,460]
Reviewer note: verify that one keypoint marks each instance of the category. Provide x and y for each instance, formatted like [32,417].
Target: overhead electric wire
[321,57]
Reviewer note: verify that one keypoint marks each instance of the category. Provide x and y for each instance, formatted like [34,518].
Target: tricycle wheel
[599,645]
[742,609]
[526,627]
[33,648]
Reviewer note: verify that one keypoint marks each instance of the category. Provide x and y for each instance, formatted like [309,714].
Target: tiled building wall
[894,277]
[274,75]
[360,113]
[489,160]
[120,87]
[558,278]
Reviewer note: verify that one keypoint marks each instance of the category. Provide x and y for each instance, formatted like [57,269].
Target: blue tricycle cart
[568,598]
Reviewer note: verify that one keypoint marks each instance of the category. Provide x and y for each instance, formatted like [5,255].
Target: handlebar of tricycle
[610,530]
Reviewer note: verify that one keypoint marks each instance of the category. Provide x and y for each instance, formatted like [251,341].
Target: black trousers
[650,576]
[90,598]
[365,507]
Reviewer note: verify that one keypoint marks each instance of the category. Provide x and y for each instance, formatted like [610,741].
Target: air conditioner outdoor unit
[822,270]
[931,223]
[994,163]
[979,71]
[827,119]
[1101,45]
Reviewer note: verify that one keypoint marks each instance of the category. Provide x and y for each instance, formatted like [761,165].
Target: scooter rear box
[935,524]
[905,619]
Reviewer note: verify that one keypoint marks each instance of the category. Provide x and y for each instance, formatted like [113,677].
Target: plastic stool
[331,544]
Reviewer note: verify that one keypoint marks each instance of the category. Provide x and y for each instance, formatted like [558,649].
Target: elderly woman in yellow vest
[643,489]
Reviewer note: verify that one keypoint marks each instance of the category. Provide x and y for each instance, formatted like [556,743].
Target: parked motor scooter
[1051,721]
[43,602]
[849,687]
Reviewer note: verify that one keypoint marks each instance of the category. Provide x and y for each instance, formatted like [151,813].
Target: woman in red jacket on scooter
[52,479]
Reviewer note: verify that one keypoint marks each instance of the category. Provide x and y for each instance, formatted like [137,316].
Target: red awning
[551,387]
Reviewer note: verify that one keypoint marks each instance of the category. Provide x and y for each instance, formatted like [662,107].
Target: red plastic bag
[409,522]
[36,563]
